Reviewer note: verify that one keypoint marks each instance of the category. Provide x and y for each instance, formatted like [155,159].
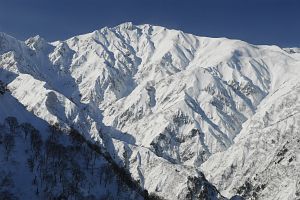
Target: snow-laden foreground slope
[39,161]
[160,102]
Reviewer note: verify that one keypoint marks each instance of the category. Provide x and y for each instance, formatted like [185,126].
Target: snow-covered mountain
[165,105]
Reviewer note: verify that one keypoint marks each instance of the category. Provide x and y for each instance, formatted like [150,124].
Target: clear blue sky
[255,21]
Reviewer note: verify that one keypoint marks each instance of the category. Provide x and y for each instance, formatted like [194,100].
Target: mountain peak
[36,42]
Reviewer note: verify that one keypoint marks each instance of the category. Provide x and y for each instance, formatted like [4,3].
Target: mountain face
[264,161]
[182,116]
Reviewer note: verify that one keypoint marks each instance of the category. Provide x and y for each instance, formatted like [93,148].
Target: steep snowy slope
[160,102]
[39,161]
[52,95]
[155,83]
[264,162]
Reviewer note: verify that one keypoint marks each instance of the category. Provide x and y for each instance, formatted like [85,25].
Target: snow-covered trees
[3,88]
[8,142]
[60,165]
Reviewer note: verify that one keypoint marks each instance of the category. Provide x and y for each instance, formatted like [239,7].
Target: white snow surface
[166,104]
[266,152]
